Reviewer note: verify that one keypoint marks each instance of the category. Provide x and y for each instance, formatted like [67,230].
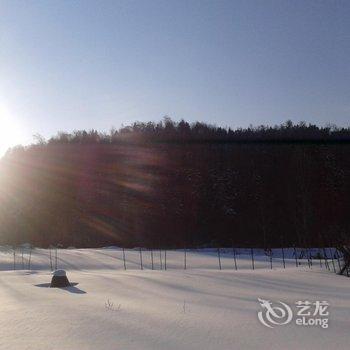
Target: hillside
[179,185]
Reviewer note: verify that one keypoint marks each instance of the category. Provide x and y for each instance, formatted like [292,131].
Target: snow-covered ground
[198,308]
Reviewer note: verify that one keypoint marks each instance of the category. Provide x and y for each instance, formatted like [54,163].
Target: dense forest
[175,184]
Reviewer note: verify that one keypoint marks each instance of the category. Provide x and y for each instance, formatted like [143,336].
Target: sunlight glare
[10,131]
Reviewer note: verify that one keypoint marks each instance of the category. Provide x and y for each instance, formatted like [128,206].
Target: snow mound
[59,273]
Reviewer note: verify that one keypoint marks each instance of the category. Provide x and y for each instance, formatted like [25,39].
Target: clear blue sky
[68,65]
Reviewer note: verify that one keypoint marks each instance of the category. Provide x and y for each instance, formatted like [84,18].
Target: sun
[10,131]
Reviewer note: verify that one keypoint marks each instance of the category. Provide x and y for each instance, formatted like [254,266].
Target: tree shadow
[71,289]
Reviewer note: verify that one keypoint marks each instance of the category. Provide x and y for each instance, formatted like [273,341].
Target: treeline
[174,184]
[171,131]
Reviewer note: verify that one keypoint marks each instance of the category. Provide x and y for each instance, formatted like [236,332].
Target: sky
[68,65]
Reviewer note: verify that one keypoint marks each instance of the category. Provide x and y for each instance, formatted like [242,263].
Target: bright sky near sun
[11,132]
[68,65]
